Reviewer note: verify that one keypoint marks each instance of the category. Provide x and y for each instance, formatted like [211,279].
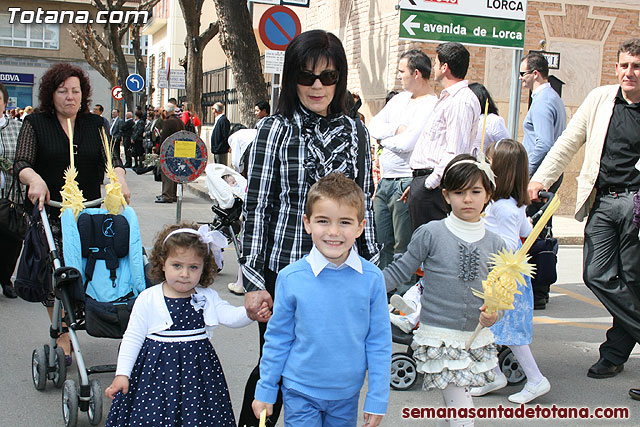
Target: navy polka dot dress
[177,381]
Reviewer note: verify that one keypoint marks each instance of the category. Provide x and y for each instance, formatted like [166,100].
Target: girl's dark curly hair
[53,78]
[162,250]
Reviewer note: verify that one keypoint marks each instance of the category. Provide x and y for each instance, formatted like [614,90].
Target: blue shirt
[330,325]
[544,123]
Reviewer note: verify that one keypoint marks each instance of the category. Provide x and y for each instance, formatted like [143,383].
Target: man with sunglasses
[544,123]
[547,117]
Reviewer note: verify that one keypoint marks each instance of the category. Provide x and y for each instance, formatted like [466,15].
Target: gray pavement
[566,339]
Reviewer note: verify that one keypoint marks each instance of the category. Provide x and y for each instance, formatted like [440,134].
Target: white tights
[456,397]
[528,363]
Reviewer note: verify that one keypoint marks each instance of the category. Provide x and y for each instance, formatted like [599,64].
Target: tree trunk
[194,44]
[239,44]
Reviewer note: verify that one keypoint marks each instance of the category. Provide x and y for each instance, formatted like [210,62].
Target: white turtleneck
[468,231]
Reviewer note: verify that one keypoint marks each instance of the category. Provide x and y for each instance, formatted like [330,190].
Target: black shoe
[635,393]
[604,369]
[163,201]
[8,291]
[127,165]
[539,304]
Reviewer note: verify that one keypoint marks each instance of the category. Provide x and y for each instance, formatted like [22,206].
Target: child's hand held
[372,420]
[487,320]
[258,406]
[120,383]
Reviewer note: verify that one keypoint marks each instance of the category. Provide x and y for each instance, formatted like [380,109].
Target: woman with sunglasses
[309,136]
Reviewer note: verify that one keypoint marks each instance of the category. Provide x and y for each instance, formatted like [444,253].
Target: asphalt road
[566,339]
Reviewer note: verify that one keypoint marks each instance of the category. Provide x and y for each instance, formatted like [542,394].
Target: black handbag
[13,219]
[33,279]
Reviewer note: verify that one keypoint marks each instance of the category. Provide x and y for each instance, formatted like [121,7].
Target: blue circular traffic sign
[278,26]
[135,82]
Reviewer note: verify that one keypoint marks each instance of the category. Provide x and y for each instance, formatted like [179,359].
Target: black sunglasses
[524,73]
[327,78]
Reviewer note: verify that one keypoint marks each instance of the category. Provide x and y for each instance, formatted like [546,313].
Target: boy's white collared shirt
[318,262]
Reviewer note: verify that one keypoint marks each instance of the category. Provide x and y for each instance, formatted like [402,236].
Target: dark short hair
[456,56]
[5,94]
[483,95]
[536,61]
[631,46]
[139,114]
[100,108]
[264,105]
[418,60]
[54,77]
[304,52]
[460,176]
[510,163]
[390,95]
[336,186]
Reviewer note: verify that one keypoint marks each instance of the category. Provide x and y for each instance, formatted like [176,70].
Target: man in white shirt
[397,128]
[449,131]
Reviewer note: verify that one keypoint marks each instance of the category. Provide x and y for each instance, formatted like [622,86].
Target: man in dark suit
[170,125]
[126,130]
[220,135]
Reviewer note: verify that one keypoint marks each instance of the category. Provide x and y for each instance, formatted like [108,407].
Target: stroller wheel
[61,368]
[70,403]
[510,366]
[403,371]
[39,367]
[95,403]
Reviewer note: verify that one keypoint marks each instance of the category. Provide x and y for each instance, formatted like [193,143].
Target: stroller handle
[89,204]
[542,195]
[545,194]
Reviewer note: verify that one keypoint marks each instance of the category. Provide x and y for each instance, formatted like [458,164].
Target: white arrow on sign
[409,25]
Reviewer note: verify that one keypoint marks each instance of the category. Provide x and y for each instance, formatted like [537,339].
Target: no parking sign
[278,26]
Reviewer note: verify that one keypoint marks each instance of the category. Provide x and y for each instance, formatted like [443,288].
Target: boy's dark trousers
[246,414]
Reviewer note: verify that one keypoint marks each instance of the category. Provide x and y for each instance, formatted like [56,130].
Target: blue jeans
[301,410]
[393,225]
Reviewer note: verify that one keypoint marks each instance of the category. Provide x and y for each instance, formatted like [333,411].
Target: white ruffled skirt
[441,356]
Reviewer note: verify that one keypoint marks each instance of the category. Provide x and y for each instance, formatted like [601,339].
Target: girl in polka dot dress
[168,373]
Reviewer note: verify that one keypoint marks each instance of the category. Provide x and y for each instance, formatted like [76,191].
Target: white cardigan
[150,315]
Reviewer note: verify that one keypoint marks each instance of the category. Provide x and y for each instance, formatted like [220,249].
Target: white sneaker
[530,392]
[398,302]
[497,384]
[401,322]
[234,288]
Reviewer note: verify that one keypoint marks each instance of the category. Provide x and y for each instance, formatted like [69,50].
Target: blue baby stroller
[95,286]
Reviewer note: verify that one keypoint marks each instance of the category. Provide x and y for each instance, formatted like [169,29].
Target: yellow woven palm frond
[509,269]
[72,197]
[113,199]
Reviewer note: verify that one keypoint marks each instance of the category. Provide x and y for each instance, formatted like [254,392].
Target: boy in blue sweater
[330,322]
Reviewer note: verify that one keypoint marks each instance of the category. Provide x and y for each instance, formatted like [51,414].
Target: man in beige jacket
[608,123]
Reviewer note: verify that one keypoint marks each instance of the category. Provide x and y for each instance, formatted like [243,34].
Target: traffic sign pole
[183,157]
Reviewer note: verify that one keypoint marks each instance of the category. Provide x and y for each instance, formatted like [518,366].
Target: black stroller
[77,305]
[544,256]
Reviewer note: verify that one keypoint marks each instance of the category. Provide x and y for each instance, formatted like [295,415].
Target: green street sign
[478,30]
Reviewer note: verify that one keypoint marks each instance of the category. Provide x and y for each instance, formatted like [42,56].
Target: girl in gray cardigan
[454,255]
